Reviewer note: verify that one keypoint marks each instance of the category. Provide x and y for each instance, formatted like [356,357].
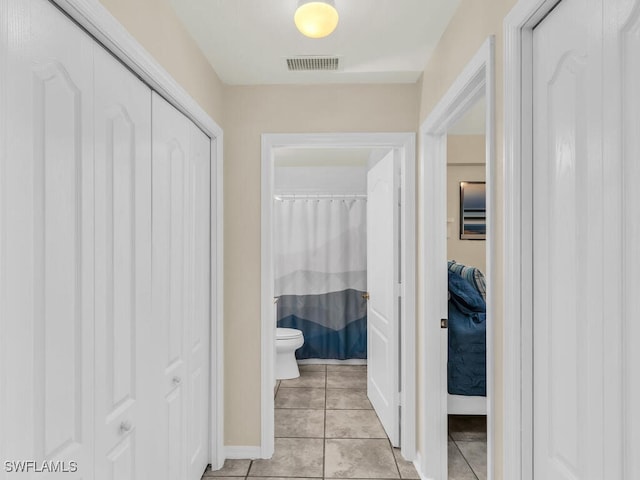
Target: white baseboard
[466,405]
[418,466]
[242,452]
[330,361]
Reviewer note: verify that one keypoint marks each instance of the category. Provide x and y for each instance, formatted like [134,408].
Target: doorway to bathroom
[358,186]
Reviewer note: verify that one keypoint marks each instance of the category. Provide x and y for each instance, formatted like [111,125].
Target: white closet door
[586,240]
[621,179]
[181,291]
[567,247]
[122,270]
[170,305]
[46,279]
[199,288]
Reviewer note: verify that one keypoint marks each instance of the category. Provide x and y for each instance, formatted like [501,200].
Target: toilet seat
[287,333]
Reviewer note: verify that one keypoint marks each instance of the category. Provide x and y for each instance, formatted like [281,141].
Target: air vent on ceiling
[302,64]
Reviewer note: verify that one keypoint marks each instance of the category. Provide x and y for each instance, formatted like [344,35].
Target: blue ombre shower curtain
[320,265]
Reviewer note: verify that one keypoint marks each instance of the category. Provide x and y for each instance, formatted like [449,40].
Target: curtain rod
[303,196]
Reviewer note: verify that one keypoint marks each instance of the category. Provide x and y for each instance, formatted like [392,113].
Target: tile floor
[467,447]
[325,427]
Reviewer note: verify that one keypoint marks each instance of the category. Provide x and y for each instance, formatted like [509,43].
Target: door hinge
[444,323]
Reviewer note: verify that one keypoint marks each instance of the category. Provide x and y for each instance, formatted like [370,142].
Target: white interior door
[122,270]
[46,222]
[585,308]
[382,283]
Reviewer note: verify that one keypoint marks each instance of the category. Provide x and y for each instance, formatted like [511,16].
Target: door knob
[366,296]
[125,426]
[177,381]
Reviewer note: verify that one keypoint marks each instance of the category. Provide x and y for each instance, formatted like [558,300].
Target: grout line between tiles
[394,458]
[286,476]
[352,409]
[465,459]
[324,431]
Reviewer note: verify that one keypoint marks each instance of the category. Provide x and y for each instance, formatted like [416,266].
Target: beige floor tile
[458,467]
[468,427]
[293,457]
[348,399]
[340,379]
[346,368]
[475,452]
[300,398]
[353,424]
[312,367]
[231,468]
[209,476]
[291,422]
[407,470]
[312,379]
[359,458]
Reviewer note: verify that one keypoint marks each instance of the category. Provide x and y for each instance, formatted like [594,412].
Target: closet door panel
[177,163]
[622,334]
[169,188]
[46,282]
[122,268]
[199,287]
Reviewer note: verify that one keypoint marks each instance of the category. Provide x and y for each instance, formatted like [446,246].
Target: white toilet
[288,340]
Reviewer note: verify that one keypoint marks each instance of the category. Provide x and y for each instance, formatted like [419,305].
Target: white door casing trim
[477,79]
[97,20]
[518,236]
[242,452]
[405,143]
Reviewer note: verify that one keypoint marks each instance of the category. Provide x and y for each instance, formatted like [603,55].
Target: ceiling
[377,41]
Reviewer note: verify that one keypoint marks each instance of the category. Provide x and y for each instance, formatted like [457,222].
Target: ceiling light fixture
[316,19]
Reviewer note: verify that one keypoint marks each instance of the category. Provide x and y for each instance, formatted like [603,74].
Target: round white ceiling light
[316,19]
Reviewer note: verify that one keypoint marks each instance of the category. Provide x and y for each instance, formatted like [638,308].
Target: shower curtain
[320,266]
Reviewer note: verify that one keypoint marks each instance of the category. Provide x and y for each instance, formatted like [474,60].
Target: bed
[466,368]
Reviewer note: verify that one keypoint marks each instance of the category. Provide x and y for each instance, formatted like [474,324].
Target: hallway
[325,427]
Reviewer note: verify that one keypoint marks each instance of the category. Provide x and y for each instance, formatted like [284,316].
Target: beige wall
[465,158]
[250,112]
[155,25]
[471,25]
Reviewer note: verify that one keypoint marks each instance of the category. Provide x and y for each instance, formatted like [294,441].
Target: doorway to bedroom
[466,299]
[459,245]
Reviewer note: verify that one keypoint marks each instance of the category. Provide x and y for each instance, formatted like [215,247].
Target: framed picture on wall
[473,211]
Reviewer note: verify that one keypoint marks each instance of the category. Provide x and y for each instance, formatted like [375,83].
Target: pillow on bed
[465,297]
[471,274]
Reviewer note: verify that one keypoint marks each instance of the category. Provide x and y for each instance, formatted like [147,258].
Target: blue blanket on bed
[467,367]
